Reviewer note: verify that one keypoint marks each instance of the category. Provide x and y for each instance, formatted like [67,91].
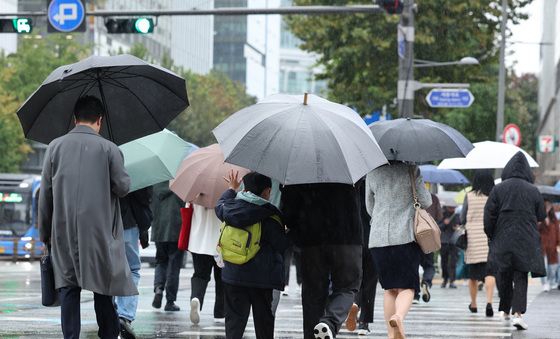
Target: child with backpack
[251,244]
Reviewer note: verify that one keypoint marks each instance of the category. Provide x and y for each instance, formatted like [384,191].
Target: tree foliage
[21,74]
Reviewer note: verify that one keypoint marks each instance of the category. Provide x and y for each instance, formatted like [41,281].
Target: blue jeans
[126,306]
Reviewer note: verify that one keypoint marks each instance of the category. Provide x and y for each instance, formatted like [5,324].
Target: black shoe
[157,299]
[489,310]
[126,329]
[480,286]
[425,289]
[443,284]
[473,309]
[452,285]
[171,307]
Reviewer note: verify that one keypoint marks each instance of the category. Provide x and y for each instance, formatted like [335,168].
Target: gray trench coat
[79,214]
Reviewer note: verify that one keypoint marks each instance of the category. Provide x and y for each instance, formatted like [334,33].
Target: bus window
[14,213]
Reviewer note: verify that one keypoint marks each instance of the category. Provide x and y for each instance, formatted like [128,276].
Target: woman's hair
[483,182]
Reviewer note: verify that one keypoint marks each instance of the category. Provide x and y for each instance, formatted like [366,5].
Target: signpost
[66,16]
[547,143]
[454,97]
[512,135]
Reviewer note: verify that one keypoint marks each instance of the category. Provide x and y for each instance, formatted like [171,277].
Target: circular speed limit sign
[512,135]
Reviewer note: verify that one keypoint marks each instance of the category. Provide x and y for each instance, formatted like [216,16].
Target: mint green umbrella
[154,158]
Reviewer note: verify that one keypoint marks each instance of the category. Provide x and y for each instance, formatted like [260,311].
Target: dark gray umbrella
[139,98]
[549,192]
[419,140]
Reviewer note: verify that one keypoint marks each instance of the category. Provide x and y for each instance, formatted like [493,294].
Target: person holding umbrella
[477,256]
[511,214]
[80,220]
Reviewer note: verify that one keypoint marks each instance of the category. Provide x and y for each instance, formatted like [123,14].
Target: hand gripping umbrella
[139,98]
[299,139]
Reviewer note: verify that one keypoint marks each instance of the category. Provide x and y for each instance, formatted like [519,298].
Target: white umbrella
[486,154]
[298,139]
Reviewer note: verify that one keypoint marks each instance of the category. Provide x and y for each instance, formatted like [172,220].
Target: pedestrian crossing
[445,316]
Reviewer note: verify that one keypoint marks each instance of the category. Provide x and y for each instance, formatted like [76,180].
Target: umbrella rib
[140,100]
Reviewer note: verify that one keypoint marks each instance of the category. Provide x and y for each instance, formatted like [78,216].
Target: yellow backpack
[239,245]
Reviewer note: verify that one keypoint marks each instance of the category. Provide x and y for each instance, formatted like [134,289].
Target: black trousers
[337,266]
[292,254]
[513,291]
[105,312]
[169,260]
[427,263]
[365,298]
[238,303]
[449,255]
[203,265]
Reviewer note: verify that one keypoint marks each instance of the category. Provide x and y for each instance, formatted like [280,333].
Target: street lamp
[426,63]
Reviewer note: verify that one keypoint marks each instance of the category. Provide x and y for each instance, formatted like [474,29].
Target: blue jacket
[266,269]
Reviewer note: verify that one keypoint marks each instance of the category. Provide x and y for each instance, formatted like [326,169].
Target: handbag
[426,230]
[186,222]
[49,294]
[461,241]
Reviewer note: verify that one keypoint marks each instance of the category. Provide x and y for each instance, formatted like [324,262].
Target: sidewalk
[543,317]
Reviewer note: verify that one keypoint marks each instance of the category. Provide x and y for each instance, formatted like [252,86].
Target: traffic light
[16,25]
[391,6]
[135,25]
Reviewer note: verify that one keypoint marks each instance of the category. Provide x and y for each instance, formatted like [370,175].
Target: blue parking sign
[66,16]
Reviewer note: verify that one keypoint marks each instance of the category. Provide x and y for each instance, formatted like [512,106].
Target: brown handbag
[426,230]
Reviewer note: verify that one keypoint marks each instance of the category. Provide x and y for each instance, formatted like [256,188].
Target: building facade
[247,48]
[549,89]
[298,69]
[188,41]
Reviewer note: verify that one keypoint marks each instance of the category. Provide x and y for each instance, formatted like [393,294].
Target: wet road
[22,316]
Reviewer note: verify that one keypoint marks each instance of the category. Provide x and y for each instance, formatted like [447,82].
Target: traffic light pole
[405,87]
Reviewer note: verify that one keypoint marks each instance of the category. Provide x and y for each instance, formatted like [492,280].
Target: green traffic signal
[16,25]
[133,25]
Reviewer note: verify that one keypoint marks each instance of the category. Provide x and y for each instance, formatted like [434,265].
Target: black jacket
[266,269]
[166,206]
[447,231]
[135,209]
[323,214]
[510,220]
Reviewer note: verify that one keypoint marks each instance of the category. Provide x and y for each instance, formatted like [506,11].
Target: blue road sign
[461,98]
[66,15]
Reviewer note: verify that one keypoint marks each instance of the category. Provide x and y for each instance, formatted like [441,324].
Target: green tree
[21,74]
[359,52]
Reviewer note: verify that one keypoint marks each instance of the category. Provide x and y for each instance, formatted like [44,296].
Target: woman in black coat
[510,221]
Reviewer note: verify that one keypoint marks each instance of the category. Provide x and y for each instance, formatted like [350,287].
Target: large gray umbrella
[139,98]
[297,141]
[419,140]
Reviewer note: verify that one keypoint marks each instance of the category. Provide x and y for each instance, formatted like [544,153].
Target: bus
[19,234]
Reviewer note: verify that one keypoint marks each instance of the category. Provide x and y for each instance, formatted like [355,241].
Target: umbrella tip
[305,98]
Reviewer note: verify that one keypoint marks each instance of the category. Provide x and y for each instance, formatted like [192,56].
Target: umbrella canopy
[299,139]
[549,192]
[487,154]
[432,174]
[139,98]
[200,179]
[419,140]
[154,158]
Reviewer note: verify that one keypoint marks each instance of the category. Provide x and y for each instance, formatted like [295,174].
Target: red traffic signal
[392,6]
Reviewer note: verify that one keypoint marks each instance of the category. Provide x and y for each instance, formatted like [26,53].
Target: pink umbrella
[200,178]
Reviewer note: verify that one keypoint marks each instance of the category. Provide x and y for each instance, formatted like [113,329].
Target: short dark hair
[483,181]
[256,183]
[88,109]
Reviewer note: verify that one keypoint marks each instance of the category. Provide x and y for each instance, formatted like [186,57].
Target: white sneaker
[546,287]
[286,291]
[504,315]
[322,331]
[519,323]
[195,311]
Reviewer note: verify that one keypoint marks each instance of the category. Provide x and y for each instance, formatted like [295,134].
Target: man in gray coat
[79,218]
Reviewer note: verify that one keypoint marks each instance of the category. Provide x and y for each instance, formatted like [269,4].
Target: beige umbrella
[200,178]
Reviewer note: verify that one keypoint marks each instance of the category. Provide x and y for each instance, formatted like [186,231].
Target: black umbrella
[419,140]
[139,98]
[549,193]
